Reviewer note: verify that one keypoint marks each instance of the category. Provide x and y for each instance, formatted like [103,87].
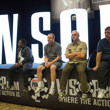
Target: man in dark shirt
[103,62]
[52,60]
[25,60]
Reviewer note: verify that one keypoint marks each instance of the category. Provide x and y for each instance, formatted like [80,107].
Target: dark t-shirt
[51,51]
[104,47]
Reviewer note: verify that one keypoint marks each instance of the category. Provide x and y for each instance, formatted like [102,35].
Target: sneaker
[62,94]
[101,93]
[25,90]
[51,91]
[38,90]
[84,96]
[11,87]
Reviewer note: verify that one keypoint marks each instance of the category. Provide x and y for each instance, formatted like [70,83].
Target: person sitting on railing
[52,58]
[103,62]
[76,53]
[25,61]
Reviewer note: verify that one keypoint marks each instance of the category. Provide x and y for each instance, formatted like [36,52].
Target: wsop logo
[34,84]
[90,87]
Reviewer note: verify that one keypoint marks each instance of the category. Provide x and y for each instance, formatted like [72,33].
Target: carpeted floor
[9,106]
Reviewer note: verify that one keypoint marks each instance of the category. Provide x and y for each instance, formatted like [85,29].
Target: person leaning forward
[76,53]
[25,61]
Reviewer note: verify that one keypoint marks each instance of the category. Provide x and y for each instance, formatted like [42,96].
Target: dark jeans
[102,72]
[25,68]
[80,67]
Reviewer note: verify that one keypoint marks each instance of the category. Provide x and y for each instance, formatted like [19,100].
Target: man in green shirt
[76,53]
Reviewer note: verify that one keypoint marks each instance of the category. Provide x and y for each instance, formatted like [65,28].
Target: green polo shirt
[78,47]
[51,51]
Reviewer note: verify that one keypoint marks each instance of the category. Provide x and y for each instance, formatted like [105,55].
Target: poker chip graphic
[77,87]
[43,94]
[90,89]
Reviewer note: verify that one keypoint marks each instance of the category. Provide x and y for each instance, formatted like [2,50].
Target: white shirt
[20,57]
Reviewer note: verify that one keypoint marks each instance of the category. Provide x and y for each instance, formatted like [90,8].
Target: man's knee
[53,68]
[40,68]
[11,70]
[65,70]
[25,69]
[81,71]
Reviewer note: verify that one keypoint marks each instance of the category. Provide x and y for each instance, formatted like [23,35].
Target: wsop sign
[43,99]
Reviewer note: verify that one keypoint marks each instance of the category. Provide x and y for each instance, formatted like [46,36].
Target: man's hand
[18,64]
[47,64]
[95,68]
[70,55]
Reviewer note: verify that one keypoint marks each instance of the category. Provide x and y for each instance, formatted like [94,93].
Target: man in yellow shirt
[76,53]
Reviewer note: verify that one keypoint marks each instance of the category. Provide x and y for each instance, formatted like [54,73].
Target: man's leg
[39,76]
[102,72]
[81,67]
[64,76]
[53,78]
[12,71]
[103,69]
[53,68]
[25,69]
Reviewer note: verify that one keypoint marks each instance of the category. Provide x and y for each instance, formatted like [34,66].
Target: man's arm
[45,59]
[98,59]
[48,64]
[80,55]
[70,55]
[27,54]
[76,55]
[55,60]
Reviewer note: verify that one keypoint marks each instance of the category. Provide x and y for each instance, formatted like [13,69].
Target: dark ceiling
[17,6]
